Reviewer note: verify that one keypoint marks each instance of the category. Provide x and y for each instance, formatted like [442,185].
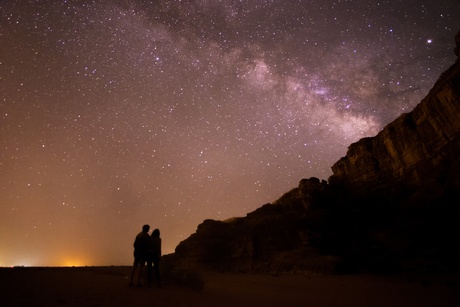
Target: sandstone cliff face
[413,146]
[391,203]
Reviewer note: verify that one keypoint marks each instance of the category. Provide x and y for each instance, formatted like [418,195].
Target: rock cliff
[413,146]
[273,238]
[392,203]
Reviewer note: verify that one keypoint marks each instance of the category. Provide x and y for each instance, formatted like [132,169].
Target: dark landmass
[108,286]
[391,205]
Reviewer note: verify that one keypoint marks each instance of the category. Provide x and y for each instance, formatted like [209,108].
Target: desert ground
[108,286]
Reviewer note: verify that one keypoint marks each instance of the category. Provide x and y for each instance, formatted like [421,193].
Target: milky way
[115,114]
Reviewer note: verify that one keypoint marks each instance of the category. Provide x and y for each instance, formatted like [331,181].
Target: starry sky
[115,114]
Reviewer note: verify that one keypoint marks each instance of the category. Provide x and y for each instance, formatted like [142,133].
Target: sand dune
[108,286]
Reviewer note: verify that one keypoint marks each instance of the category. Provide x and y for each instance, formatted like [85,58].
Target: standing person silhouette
[154,255]
[141,245]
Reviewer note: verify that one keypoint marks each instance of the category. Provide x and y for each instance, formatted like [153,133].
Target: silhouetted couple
[147,248]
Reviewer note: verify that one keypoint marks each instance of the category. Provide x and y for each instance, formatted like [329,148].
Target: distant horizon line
[63,266]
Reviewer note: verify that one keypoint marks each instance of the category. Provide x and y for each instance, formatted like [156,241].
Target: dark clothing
[141,246]
[155,246]
[155,260]
[154,256]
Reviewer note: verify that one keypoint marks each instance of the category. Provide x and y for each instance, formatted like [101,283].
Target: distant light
[429,41]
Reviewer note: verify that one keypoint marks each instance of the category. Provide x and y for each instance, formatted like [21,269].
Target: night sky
[115,114]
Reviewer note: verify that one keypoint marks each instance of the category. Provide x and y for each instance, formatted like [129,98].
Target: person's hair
[156,233]
[146,228]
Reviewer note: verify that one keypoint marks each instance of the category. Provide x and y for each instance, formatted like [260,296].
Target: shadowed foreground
[108,286]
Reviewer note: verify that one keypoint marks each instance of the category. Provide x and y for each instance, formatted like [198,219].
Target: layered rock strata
[414,145]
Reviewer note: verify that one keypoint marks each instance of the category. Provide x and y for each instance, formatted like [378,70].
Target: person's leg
[149,268]
[141,267]
[156,262]
[133,271]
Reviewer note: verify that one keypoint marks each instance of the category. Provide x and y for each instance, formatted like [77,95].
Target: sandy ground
[108,286]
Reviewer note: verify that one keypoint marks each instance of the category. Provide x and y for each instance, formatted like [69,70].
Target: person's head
[156,233]
[145,228]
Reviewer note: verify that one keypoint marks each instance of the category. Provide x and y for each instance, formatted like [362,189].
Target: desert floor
[108,286]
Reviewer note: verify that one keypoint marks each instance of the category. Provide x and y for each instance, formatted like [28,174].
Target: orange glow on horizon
[73,261]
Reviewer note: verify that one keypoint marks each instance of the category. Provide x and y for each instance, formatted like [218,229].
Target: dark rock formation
[413,146]
[266,240]
[392,203]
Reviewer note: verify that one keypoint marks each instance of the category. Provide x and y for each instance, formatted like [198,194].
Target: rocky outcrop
[266,240]
[413,146]
[417,146]
[392,203]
